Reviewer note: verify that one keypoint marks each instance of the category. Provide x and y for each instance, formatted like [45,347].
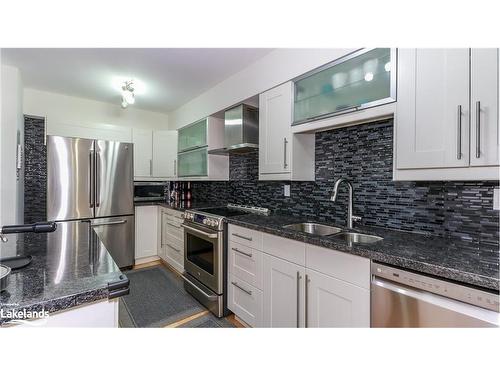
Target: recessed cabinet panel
[165,153]
[360,80]
[143,152]
[484,130]
[432,116]
[335,303]
[275,119]
[283,293]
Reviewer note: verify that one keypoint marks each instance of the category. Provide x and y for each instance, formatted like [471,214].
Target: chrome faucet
[350,217]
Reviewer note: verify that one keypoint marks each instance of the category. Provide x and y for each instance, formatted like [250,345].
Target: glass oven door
[203,255]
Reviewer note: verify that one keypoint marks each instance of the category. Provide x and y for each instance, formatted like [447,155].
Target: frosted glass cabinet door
[193,136]
[193,163]
[360,80]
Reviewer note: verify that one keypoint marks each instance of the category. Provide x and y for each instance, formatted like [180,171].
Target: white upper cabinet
[275,119]
[155,154]
[484,107]
[165,153]
[433,108]
[143,152]
[282,155]
[435,120]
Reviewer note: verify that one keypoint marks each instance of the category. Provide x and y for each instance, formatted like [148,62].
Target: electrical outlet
[496,199]
[286,190]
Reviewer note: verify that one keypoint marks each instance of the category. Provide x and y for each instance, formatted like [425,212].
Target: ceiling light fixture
[128,96]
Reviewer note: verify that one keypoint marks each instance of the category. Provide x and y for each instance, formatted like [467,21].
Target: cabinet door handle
[242,252]
[306,297]
[249,292]
[478,129]
[459,132]
[243,237]
[298,297]
[173,248]
[151,167]
[285,164]
[161,234]
[175,167]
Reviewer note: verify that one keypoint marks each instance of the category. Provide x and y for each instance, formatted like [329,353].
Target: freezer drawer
[118,235]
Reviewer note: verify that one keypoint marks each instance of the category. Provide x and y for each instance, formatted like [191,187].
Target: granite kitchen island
[72,277]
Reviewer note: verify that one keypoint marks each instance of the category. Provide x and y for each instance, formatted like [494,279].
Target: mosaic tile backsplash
[364,155]
[361,153]
[35,170]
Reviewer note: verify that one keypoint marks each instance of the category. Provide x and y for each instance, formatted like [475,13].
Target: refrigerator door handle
[109,223]
[97,179]
[91,173]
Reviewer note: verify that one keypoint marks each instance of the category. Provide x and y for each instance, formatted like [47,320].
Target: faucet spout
[333,198]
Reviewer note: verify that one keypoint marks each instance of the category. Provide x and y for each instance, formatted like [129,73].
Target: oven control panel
[205,220]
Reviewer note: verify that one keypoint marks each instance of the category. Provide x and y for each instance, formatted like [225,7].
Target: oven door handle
[209,297]
[208,235]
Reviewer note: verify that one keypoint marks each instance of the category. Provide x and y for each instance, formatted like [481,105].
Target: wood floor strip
[188,319]
[146,265]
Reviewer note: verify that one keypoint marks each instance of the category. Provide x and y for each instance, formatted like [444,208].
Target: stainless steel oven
[205,260]
[205,254]
[204,249]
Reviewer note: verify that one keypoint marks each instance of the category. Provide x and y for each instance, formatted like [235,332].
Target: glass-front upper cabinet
[362,79]
[193,163]
[193,136]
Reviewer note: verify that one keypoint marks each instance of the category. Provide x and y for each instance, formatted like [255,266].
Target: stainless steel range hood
[241,130]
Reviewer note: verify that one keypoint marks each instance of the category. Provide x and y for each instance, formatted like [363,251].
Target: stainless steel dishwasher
[405,299]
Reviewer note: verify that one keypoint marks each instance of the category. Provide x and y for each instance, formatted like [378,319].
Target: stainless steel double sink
[328,230]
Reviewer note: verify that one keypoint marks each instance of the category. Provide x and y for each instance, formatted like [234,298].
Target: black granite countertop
[70,267]
[451,259]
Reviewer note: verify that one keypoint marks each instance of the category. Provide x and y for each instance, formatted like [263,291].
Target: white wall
[72,114]
[273,69]
[12,122]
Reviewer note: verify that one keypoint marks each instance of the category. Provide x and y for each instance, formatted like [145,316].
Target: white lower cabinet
[283,290]
[245,301]
[146,232]
[171,238]
[278,282]
[335,303]
[245,263]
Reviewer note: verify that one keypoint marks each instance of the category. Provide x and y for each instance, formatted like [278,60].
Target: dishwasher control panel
[448,289]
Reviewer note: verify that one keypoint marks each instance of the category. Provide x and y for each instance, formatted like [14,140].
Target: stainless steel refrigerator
[93,181]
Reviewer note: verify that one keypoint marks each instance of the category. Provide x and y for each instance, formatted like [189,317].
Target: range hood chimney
[241,130]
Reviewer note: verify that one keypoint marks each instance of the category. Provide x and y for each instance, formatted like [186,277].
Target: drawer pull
[243,237]
[242,252]
[249,292]
[175,226]
[173,248]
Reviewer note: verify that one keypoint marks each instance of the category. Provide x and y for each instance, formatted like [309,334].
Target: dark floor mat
[157,298]
[208,321]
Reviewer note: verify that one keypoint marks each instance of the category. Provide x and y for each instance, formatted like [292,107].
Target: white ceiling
[170,76]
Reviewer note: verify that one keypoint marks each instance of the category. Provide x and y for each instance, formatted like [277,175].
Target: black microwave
[145,191]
